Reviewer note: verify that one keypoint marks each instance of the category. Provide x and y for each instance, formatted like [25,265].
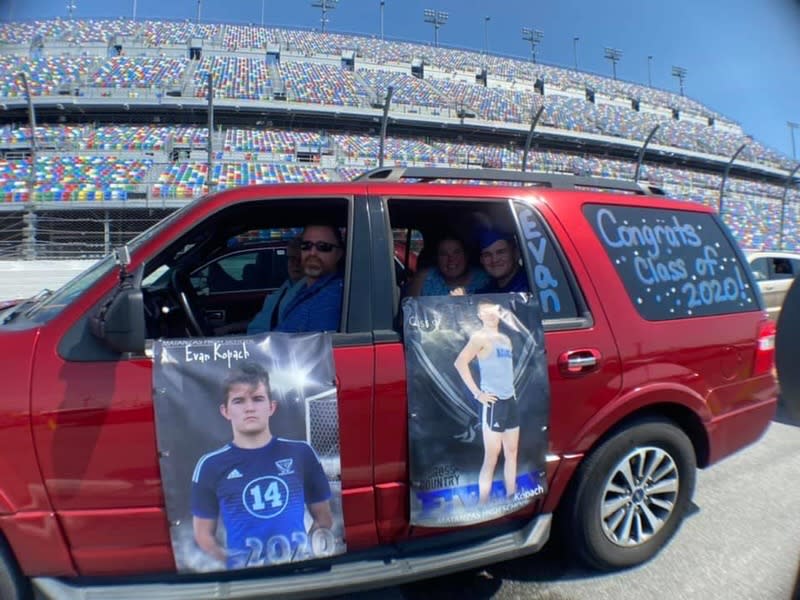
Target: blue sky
[742,56]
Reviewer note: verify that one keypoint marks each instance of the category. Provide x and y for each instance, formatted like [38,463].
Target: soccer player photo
[478,401]
[249,443]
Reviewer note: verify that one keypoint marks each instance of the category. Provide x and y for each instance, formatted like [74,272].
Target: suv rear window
[673,264]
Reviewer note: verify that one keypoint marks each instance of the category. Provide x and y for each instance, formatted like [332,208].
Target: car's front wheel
[629,496]
[13,585]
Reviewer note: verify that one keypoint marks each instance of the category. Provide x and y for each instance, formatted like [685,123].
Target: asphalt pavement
[740,542]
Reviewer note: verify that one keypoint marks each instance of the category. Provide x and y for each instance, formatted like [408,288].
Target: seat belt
[273,321]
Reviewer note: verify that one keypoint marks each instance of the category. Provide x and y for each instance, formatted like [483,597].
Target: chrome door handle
[579,361]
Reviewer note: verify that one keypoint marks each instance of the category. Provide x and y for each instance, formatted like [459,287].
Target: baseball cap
[487,237]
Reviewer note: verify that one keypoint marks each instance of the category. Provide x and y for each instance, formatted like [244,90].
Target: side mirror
[119,321]
[123,256]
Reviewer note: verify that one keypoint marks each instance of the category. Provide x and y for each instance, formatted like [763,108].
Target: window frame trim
[583,318]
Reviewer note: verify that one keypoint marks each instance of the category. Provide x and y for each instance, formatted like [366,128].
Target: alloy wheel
[639,496]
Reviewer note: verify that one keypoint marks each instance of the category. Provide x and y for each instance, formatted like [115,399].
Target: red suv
[656,358]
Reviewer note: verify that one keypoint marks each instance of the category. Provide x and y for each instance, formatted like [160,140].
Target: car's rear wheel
[629,496]
[13,585]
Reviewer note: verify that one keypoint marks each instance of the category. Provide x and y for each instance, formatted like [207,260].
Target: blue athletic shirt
[260,495]
[317,307]
[277,300]
[497,370]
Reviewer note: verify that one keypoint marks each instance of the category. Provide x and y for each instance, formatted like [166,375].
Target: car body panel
[669,352]
[22,488]
[38,543]
[736,429]
[391,452]
[595,388]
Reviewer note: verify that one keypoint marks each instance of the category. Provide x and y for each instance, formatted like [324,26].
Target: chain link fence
[81,233]
[12,234]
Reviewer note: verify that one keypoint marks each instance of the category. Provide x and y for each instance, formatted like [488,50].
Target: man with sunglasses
[318,305]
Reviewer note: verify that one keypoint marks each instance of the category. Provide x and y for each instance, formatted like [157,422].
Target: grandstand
[122,132]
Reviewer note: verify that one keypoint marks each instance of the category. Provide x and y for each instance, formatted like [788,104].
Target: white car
[774,272]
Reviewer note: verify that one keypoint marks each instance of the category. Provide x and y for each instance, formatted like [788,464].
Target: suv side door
[575,328]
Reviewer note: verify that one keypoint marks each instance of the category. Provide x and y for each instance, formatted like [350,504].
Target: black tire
[13,584]
[648,516]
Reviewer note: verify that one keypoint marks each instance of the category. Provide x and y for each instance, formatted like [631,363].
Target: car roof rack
[549,180]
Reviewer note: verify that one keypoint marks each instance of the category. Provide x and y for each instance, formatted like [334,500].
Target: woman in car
[452,270]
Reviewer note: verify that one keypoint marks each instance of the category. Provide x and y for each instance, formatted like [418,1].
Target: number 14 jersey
[260,494]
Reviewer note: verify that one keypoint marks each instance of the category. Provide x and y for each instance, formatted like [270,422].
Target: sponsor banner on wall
[248,439]
[478,402]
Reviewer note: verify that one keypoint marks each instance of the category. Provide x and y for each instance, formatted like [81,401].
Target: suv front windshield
[52,304]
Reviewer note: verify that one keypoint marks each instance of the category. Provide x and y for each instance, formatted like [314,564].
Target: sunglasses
[320,246]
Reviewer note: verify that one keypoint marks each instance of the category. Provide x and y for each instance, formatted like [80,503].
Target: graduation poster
[478,406]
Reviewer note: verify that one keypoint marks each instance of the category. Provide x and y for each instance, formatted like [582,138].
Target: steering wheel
[189,302]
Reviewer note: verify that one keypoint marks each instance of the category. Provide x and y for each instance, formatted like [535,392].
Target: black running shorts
[502,415]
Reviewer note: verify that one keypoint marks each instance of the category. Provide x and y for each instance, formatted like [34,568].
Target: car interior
[419,225]
[188,291]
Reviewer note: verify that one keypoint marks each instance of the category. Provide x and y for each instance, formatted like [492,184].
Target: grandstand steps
[376,100]
[187,78]
[278,87]
[151,178]
[217,140]
[92,71]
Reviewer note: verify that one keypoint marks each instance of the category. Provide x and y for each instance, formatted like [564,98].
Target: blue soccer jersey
[260,495]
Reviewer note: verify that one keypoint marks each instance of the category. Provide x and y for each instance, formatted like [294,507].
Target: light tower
[437,18]
[324,6]
[680,73]
[534,36]
[486,20]
[613,54]
[575,41]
